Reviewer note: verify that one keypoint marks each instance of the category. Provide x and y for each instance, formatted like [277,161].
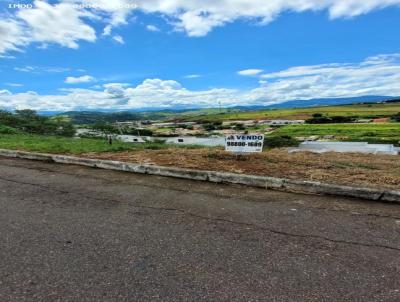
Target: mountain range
[91,116]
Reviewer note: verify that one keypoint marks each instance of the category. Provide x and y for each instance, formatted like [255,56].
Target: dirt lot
[349,169]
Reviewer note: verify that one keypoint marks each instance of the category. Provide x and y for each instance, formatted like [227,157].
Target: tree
[317,115]
[66,129]
[27,114]
[319,118]
[104,128]
[30,122]
[396,117]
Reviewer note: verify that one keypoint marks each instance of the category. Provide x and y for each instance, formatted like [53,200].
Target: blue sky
[58,55]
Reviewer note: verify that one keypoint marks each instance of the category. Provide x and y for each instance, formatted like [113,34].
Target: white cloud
[192,76]
[61,24]
[198,23]
[119,39]
[197,18]
[150,93]
[153,28]
[65,23]
[55,69]
[25,69]
[117,90]
[107,30]
[7,57]
[12,36]
[113,85]
[13,84]
[40,69]
[250,72]
[81,79]
[379,75]
[5,92]
[114,13]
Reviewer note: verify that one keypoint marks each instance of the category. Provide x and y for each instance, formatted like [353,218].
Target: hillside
[372,133]
[362,110]
[92,117]
[369,110]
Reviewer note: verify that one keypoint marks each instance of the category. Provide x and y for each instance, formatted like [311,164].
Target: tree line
[320,118]
[28,121]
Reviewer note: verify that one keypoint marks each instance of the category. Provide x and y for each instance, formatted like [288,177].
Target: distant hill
[321,102]
[93,117]
[111,116]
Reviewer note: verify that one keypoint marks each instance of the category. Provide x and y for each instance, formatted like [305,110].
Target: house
[249,123]
[281,122]
[343,147]
[364,121]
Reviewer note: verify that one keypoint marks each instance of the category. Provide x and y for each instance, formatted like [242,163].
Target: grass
[380,133]
[55,144]
[356,110]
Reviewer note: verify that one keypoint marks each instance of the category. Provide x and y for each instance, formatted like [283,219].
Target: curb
[289,185]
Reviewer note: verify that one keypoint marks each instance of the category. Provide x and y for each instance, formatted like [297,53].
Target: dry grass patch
[379,171]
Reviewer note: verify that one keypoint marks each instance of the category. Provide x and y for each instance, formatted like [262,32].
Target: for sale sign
[244,143]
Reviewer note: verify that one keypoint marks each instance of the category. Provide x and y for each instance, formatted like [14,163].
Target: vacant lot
[348,169]
[382,133]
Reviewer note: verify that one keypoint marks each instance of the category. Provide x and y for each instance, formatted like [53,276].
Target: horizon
[65,56]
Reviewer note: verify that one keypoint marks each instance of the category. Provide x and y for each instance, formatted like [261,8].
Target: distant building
[225,131]
[163,125]
[248,123]
[172,124]
[181,140]
[281,122]
[347,147]
[364,121]
[130,124]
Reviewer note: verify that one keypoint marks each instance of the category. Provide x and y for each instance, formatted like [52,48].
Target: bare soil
[367,170]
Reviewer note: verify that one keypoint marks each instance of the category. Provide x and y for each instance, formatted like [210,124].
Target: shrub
[396,117]
[342,119]
[318,118]
[209,127]
[8,130]
[159,141]
[280,142]
[141,132]
[239,127]
[29,121]
[65,129]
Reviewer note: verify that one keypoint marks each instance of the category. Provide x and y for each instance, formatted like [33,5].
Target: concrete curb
[217,177]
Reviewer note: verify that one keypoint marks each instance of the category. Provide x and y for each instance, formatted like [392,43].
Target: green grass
[380,133]
[356,110]
[54,144]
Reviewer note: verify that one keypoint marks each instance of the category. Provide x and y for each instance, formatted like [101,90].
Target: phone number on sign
[244,144]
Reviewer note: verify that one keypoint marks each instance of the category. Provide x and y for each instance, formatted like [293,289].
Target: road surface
[72,233]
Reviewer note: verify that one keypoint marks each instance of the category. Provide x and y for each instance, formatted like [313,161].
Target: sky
[171,54]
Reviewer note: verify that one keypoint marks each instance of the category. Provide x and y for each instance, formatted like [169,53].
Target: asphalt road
[70,233]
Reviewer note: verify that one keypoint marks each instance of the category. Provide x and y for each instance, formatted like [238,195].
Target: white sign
[244,143]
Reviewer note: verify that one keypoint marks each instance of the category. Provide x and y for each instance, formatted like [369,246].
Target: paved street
[72,233]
